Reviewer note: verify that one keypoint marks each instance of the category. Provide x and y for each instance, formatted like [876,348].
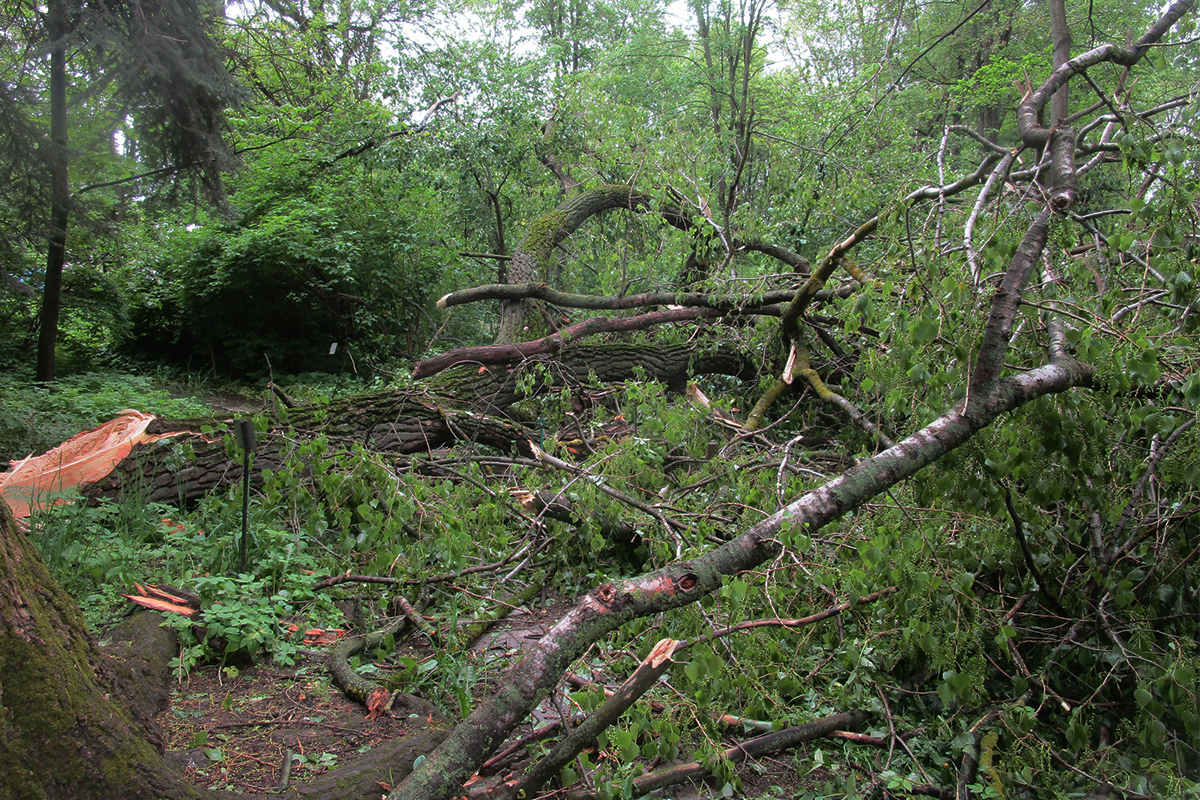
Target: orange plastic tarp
[85,458]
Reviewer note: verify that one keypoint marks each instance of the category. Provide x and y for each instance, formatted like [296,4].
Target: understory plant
[37,416]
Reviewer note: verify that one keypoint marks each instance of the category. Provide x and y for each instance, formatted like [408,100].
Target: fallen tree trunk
[185,468]
[496,384]
[402,422]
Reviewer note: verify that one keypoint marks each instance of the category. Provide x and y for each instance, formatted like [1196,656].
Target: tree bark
[66,725]
[1060,32]
[60,192]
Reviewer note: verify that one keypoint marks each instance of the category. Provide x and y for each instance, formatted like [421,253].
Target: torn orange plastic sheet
[84,458]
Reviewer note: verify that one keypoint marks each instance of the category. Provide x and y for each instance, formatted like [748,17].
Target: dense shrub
[351,261]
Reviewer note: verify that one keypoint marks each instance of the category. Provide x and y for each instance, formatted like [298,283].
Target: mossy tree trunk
[66,727]
[521,320]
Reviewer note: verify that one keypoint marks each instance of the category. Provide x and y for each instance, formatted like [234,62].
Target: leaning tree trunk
[521,320]
[65,728]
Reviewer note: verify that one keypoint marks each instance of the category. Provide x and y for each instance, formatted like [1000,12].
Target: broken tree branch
[656,662]
[548,345]
[541,291]
[754,748]
[610,605]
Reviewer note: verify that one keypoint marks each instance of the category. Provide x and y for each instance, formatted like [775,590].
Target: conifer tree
[167,74]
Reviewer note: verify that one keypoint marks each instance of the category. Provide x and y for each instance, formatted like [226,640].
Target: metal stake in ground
[244,429]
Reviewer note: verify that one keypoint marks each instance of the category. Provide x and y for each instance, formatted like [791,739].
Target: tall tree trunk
[1060,31]
[60,193]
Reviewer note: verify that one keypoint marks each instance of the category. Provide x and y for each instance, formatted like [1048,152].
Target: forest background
[809,229]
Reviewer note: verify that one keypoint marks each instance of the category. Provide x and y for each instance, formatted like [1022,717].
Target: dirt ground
[234,728]
[233,732]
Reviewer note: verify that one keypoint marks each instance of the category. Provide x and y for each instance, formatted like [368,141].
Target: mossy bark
[362,778]
[65,731]
[139,651]
[521,320]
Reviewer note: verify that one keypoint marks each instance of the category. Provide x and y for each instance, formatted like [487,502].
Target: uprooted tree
[1074,402]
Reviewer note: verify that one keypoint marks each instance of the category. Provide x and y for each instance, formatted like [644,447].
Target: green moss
[65,732]
[540,237]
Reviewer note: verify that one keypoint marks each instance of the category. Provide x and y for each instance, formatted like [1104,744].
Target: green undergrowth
[99,553]
[35,417]
[938,656]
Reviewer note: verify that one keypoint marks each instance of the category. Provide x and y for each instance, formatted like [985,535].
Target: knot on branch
[1061,200]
